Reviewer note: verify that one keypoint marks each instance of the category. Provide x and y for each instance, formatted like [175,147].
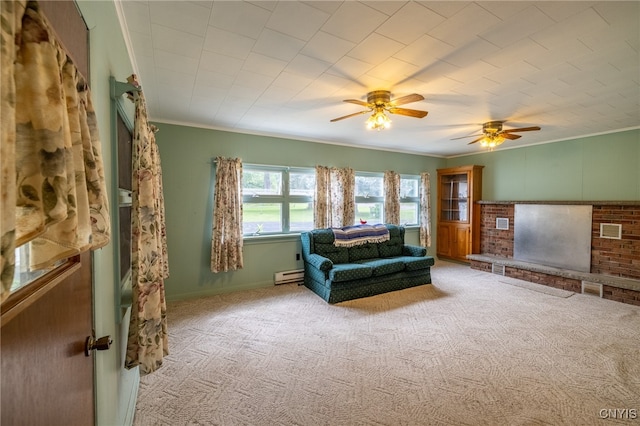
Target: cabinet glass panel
[454,194]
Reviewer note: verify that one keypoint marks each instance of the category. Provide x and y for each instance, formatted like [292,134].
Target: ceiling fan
[379,102]
[493,134]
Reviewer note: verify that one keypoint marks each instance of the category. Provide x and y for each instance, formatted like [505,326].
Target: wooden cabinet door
[444,240]
[461,244]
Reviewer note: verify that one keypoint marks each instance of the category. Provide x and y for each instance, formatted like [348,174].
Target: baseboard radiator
[288,277]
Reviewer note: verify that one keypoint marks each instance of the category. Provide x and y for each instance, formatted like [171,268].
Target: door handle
[101,344]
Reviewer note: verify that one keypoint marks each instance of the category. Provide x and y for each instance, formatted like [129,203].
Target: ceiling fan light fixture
[378,120]
[379,103]
[492,140]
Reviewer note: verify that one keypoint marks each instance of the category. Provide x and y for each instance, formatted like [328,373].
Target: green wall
[604,167]
[116,388]
[188,175]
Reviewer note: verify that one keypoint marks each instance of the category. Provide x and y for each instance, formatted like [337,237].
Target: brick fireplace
[615,258]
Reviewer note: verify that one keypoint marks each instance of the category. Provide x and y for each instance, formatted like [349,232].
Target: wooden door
[46,377]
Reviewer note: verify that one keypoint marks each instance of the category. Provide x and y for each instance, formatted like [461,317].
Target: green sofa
[343,273]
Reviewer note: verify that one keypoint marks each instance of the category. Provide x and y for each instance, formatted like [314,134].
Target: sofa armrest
[411,250]
[318,262]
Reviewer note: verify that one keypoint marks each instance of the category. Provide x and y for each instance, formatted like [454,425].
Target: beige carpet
[467,350]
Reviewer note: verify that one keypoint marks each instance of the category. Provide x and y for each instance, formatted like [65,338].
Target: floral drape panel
[147,340]
[334,197]
[391,197]
[53,190]
[226,241]
[425,210]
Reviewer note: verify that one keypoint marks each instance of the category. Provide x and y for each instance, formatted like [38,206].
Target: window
[409,199]
[277,200]
[24,275]
[369,197]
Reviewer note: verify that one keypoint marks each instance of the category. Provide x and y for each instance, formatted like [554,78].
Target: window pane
[258,182]
[24,275]
[409,213]
[261,217]
[369,186]
[300,216]
[302,184]
[371,212]
[409,188]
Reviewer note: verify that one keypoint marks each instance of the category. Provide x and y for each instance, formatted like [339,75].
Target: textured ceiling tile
[264,65]
[228,43]
[517,27]
[308,66]
[259,82]
[178,82]
[350,68]
[474,50]
[297,20]
[142,43]
[277,45]
[214,79]
[327,47]
[292,81]
[176,62]
[409,23]
[375,48]
[211,61]
[445,8]
[562,51]
[393,69]
[137,16]
[518,51]
[182,16]
[570,28]
[424,51]
[178,42]
[239,17]
[474,19]
[275,95]
[386,7]
[342,23]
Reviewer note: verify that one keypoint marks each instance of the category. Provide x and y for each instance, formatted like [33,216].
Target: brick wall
[610,257]
[616,257]
[495,241]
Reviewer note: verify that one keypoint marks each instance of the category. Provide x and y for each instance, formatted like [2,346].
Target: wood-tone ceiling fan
[493,135]
[379,102]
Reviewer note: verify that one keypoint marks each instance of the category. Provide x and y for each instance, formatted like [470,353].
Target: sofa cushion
[383,266]
[415,263]
[333,253]
[349,271]
[364,251]
[391,248]
[323,245]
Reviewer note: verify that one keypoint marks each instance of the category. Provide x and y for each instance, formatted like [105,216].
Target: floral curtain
[53,189]
[147,340]
[334,197]
[226,241]
[425,210]
[391,197]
